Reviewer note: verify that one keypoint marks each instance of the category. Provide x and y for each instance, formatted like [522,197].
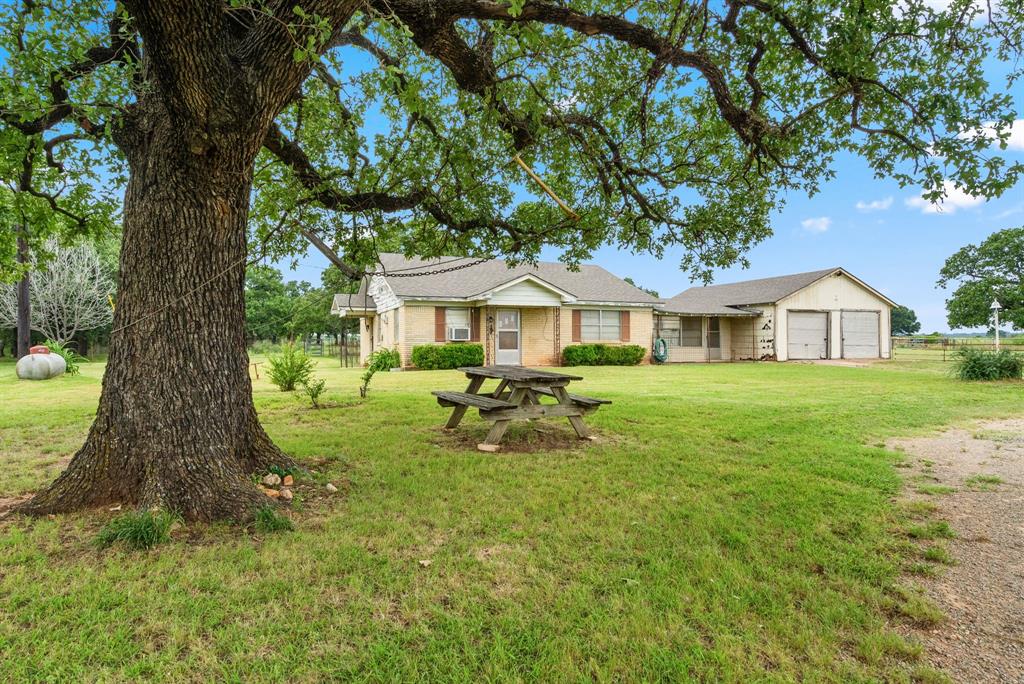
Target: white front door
[508,344]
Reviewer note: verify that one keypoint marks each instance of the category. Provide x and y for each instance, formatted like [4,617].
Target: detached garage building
[828,314]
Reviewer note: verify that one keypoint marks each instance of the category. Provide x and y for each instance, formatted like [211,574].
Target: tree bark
[24,334]
[176,426]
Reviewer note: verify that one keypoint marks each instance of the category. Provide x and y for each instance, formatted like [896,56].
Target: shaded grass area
[732,522]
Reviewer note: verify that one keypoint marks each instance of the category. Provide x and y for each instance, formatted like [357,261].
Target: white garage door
[808,335]
[860,335]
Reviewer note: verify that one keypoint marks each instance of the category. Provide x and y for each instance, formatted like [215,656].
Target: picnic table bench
[517,397]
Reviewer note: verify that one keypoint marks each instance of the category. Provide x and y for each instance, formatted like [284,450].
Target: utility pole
[24,308]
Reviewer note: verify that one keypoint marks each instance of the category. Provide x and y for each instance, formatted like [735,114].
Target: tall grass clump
[980,364]
[138,530]
[70,356]
[290,368]
[268,520]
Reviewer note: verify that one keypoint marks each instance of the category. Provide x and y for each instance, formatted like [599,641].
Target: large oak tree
[662,124]
[991,270]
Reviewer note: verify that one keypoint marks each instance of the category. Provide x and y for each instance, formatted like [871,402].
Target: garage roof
[729,299]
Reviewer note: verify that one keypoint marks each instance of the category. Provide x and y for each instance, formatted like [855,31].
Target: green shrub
[385,359]
[269,520]
[622,355]
[603,355]
[581,355]
[291,368]
[979,364]
[380,360]
[446,356]
[314,388]
[138,530]
[71,358]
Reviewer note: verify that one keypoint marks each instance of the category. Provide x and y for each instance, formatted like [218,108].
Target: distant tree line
[277,310]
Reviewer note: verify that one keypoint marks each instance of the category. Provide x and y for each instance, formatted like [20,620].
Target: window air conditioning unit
[458,334]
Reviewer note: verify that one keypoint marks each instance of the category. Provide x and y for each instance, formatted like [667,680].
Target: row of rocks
[271,480]
[283,491]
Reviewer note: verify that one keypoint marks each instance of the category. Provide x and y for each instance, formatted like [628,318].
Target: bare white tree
[70,293]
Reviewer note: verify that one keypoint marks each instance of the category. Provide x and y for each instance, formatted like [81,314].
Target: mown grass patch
[938,554]
[737,524]
[934,489]
[982,482]
[934,529]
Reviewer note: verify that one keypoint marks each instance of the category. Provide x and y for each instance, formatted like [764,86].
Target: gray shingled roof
[356,300]
[590,284]
[730,298]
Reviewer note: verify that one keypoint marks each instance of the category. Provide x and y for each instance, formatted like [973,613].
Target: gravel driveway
[982,593]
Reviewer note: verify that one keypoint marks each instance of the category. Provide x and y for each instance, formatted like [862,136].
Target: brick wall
[538,345]
[416,327]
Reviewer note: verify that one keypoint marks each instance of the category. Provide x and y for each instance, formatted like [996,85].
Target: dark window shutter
[474,325]
[577,325]
[440,331]
[624,326]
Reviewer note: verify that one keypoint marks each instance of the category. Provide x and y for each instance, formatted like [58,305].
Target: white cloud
[816,225]
[1015,142]
[1012,211]
[954,200]
[874,205]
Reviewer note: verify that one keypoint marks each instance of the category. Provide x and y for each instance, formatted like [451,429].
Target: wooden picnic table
[517,397]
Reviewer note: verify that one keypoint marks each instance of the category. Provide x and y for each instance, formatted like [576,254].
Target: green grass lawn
[732,522]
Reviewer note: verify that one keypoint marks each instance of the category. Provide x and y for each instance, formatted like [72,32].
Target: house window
[457,324]
[598,325]
[668,329]
[690,331]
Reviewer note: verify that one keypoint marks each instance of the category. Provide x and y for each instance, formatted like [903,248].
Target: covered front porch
[522,335]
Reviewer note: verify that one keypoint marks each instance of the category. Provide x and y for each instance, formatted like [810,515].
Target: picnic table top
[516,373]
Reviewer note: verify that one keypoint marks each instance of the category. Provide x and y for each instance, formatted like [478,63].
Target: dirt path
[982,593]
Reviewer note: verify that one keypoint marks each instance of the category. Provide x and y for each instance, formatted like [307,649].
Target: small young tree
[70,293]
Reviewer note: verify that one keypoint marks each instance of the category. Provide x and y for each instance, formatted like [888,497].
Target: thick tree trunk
[24,334]
[176,427]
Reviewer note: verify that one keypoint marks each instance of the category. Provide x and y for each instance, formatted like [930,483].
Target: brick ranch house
[524,315]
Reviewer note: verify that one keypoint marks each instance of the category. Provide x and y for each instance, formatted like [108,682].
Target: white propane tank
[40,366]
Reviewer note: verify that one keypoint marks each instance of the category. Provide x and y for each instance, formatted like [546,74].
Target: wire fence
[345,349]
[939,348]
